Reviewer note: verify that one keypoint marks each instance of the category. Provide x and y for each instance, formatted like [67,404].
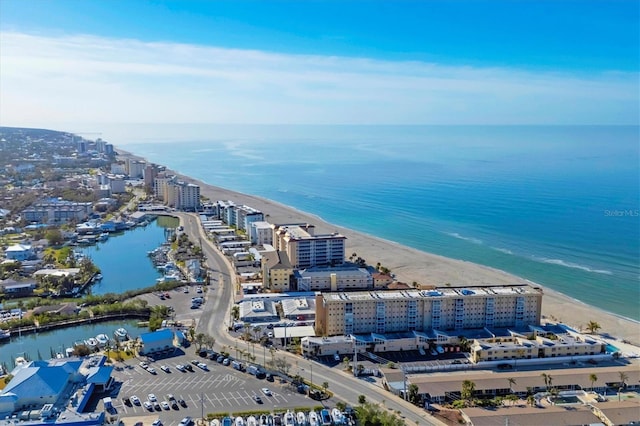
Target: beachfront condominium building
[246,215]
[260,233]
[178,194]
[445,309]
[305,249]
[134,168]
[333,279]
[183,196]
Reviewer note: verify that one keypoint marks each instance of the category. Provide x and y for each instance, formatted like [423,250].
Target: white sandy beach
[411,265]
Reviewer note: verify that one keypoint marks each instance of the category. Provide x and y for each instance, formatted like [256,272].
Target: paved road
[215,320]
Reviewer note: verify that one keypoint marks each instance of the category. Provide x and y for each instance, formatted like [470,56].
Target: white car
[144,365]
[165,405]
[148,405]
[203,366]
[181,367]
[152,398]
[156,422]
[135,400]
[151,370]
[165,368]
[266,391]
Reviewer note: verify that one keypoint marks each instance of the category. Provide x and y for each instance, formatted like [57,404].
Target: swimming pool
[610,349]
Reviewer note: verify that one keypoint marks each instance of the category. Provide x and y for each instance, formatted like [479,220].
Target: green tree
[512,382]
[623,382]
[362,399]
[54,237]
[593,327]
[413,393]
[593,378]
[468,389]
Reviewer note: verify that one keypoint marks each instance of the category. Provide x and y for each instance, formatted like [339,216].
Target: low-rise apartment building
[444,309]
[333,279]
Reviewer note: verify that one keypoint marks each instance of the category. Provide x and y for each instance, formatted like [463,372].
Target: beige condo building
[443,309]
[306,249]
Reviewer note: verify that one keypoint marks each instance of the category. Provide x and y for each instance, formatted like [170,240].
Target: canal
[125,265]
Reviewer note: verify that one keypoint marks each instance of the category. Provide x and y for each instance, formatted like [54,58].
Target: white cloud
[46,80]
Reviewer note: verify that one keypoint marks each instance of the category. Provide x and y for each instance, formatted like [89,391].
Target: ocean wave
[502,250]
[462,237]
[572,265]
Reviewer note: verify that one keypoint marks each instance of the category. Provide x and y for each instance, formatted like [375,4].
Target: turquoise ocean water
[556,205]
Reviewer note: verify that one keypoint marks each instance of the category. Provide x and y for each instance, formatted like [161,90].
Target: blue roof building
[157,341]
[44,388]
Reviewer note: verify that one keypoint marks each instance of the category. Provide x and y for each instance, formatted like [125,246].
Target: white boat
[21,361]
[239,421]
[102,340]
[263,419]
[91,342]
[121,334]
[104,236]
[289,419]
[301,418]
[214,422]
[337,417]
[97,277]
[252,421]
[4,334]
[314,419]
[174,276]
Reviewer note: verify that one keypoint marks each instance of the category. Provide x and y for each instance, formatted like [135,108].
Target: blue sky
[362,62]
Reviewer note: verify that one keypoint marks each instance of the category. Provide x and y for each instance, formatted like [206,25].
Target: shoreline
[410,264]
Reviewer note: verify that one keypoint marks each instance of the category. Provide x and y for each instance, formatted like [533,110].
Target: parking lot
[220,389]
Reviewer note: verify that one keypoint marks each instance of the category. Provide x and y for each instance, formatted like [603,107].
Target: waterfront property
[439,388]
[539,343]
[446,309]
[160,341]
[333,279]
[305,249]
[54,392]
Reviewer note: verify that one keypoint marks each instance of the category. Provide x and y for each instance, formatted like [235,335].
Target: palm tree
[468,388]
[235,312]
[325,386]
[593,378]
[512,382]
[548,380]
[623,382]
[593,327]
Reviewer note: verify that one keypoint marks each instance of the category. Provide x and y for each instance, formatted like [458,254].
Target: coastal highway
[215,321]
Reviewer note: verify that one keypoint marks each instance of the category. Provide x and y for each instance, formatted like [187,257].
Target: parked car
[165,369]
[257,399]
[143,365]
[203,366]
[135,400]
[181,367]
[152,370]
[188,367]
[126,401]
[267,392]
[152,398]
[185,422]
[156,422]
[182,402]
[165,405]
[148,405]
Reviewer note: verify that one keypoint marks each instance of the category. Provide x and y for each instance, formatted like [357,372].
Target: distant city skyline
[69,62]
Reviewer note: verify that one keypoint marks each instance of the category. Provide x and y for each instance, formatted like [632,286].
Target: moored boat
[121,334]
[215,422]
[325,417]
[289,419]
[314,419]
[252,421]
[91,342]
[239,421]
[337,417]
[4,334]
[301,418]
[102,340]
